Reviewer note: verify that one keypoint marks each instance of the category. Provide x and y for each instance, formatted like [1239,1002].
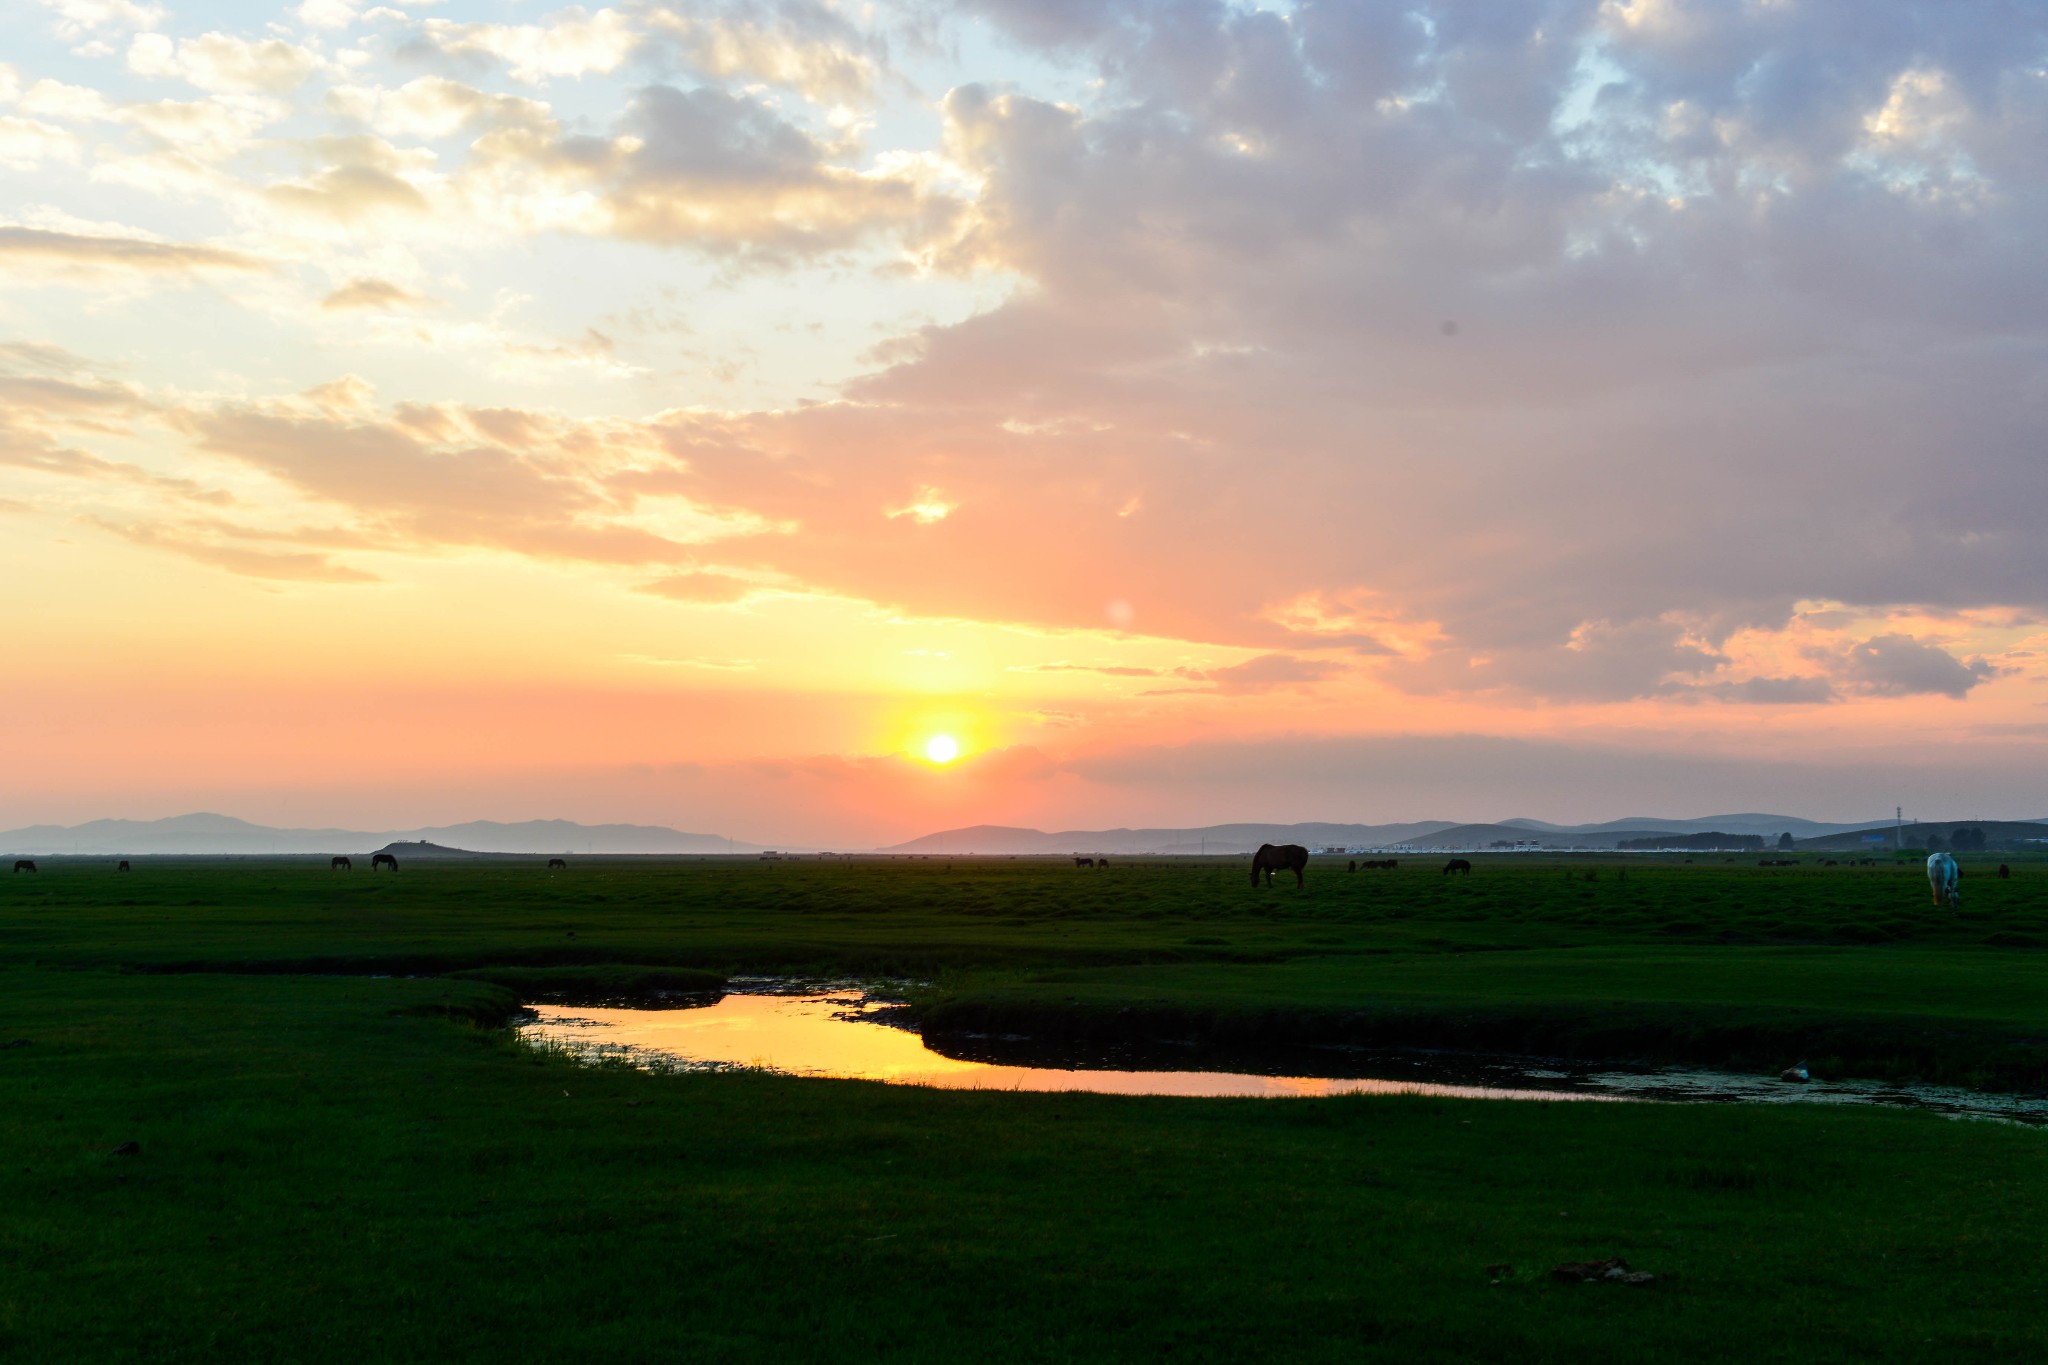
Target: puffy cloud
[82,18]
[710,168]
[363,178]
[797,44]
[1902,666]
[571,42]
[221,63]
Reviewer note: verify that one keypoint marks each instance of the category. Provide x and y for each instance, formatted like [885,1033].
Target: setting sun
[942,748]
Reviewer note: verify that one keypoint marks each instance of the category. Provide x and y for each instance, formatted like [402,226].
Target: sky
[684,413]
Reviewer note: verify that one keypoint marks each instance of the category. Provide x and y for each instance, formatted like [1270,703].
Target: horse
[123,866]
[340,865]
[2004,872]
[558,863]
[1457,865]
[1084,862]
[1102,862]
[383,860]
[1351,866]
[1273,858]
[24,865]
[1942,876]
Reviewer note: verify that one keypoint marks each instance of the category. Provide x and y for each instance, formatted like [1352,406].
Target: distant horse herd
[1944,874]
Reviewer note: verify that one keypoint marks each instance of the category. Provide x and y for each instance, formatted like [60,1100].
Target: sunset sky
[682,413]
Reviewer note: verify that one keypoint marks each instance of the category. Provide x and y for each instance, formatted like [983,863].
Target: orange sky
[680,413]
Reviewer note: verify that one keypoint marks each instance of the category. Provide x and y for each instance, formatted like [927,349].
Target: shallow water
[844,1034]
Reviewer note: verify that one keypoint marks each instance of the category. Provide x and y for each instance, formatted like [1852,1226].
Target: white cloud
[571,42]
[79,18]
[223,64]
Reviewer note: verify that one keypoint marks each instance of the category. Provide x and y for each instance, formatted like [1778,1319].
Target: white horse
[1942,878]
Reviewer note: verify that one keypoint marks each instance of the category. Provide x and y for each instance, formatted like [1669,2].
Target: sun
[942,748]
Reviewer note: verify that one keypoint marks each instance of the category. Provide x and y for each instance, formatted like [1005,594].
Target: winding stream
[845,1034]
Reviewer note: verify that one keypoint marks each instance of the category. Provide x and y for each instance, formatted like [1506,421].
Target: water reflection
[830,1034]
[840,1033]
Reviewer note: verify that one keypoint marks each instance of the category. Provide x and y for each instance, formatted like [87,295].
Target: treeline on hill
[1711,841]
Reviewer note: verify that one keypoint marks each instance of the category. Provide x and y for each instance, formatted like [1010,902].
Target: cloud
[709,168]
[372,294]
[1794,691]
[570,42]
[364,178]
[802,46]
[1261,674]
[90,254]
[205,544]
[80,18]
[1902,666]
[223,64]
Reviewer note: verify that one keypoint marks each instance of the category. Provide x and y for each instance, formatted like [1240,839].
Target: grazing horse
[383,860]
[24,865]
[1457,865]
[561,863]
[340,865]
[123,867]
[1942,876]
[2004,872]
[1273,858]
[1084,862]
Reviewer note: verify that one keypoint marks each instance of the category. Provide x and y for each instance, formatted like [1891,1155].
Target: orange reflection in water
[807,1035]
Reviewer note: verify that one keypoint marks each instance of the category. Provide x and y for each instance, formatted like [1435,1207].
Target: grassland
[342,1158]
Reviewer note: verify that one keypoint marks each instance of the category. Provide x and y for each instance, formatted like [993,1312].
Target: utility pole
[1899,827]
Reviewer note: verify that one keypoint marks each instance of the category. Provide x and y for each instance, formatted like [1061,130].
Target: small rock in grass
[1614,1269]
[1499,1271]
[127,1149]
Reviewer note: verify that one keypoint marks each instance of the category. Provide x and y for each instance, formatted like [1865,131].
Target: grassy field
[336,1162]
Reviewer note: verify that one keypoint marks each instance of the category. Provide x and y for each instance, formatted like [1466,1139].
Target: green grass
[337,1165]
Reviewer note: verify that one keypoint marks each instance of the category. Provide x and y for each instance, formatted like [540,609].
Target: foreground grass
[335,1164]
[330,1172]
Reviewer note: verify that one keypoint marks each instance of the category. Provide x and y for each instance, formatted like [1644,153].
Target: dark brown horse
[1273,858]
[123,867]
[554,863]
[1458,865]
[340,865]
[383,860]
[1084,862]
[24,865]
[2004,871]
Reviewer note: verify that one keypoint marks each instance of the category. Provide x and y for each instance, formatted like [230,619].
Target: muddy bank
[619,984]
[1943,1052]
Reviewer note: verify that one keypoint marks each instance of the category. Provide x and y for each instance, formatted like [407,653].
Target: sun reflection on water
[823,1035]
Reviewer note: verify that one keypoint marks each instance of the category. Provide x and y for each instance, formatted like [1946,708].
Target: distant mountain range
[223,834]
[1423,834]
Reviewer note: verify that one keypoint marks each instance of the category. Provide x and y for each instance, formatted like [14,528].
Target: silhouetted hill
[1997,834]
[1423,834]
[1238,838]
[224,834]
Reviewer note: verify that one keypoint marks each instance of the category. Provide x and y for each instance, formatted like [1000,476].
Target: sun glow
[942,748]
